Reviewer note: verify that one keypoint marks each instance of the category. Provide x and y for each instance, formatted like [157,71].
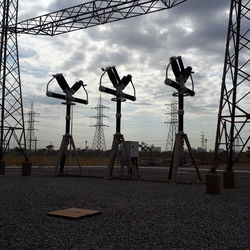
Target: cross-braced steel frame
[90,14]
[234,107]
[82,16]
[11,105]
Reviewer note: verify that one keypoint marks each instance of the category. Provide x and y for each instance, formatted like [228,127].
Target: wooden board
[73,213]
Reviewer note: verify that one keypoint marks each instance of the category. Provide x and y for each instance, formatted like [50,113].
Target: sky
[141,46]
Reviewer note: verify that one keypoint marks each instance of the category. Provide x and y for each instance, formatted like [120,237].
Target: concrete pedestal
[214,184]
[2,167]
[26,168]
[228,177]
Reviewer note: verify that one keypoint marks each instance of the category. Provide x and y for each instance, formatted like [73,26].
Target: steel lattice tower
[11,105]
[234,109]
[203,142]
[30,132]
[173,124]
[99,138]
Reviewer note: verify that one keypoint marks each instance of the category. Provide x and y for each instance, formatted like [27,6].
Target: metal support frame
[90,14]
[69,98]
[234,111]
[177,160]
[181,76]
[119,85]
[11,105]
[117,139]
[67,140]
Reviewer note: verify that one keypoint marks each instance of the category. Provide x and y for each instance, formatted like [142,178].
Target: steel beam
[90,14]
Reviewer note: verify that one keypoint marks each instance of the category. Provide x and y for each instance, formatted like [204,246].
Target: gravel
[135,214]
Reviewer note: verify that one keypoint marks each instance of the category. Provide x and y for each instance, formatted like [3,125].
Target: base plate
[73,213]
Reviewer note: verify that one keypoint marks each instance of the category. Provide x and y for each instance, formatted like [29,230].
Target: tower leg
[177,157]
[192,157]
[117,140]
[62,155]
[75,151]
[66,140]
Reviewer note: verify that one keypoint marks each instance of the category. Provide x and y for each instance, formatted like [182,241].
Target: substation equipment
[129,155]
[82,16]
[181,74]
[70,100]
[233,116]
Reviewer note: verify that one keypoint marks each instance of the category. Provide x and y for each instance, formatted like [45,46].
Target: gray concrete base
[228,177]
[26,168]
[214,184]
[2,167]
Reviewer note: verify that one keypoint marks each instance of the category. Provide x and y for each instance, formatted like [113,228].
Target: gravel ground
[135,214]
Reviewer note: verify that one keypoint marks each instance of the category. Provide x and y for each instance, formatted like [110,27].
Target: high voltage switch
[99,138]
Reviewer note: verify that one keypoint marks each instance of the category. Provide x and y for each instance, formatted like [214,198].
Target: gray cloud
[142,46]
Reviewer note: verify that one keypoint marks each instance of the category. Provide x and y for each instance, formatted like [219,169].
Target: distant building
[156,149]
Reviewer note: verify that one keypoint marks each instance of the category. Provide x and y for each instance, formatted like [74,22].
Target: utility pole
[173,123]
[99,138]
[31,139]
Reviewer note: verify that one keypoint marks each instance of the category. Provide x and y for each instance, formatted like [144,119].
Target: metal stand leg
[192,157]
[117,140]
[66,140]
[177,157]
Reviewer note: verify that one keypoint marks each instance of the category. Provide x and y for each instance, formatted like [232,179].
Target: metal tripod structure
[78,17]
[119,85]
[234,110]
[181,76]
[99,138]
[70,100]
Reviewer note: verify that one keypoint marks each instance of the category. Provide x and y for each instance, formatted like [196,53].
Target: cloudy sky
[140,46]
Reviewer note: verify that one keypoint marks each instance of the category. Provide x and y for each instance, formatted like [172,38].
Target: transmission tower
[30,132]
[234,111]
[78,17]
[11,105]
[173,124]
[99,138]
[203,142]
